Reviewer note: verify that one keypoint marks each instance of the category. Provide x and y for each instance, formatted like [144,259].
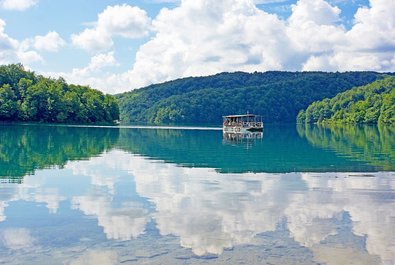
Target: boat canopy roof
[241,116]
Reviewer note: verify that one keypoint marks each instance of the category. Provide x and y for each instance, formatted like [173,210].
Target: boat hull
[239,129]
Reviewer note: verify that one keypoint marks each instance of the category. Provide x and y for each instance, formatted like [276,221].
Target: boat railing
[252,124]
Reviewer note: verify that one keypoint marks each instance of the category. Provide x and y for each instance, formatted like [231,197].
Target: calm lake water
[292,195]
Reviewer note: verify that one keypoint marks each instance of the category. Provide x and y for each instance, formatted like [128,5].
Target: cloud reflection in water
[350,217]
[210,211]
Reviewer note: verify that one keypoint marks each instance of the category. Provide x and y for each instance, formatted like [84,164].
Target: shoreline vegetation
[370,104]
[27,97]
[278,96]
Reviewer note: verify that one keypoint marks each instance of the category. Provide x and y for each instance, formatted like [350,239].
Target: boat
[242,123]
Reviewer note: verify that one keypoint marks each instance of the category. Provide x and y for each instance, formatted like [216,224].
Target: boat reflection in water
[247,138]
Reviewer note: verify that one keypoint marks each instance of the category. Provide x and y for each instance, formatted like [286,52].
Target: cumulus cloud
[312,27]
[51,42]
[234,35]
[258,2]
[368,45]
[12,51]
[119,20]
[8,45]
[18,5]
[96,74]
[206,37]
[317,12]
[203,37]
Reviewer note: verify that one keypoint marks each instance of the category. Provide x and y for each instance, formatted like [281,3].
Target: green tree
[371,103]
[8,103]
[277,96]
[27,97]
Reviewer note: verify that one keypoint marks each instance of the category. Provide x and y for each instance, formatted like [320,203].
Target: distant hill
[277,96]
[372,103]
[26,96]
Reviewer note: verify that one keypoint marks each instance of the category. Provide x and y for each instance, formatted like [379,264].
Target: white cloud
[317,20]
[93,40]
[119,20]
[206,37]
[368,45]
[50,42]
[19,5]
[317,12]
[102,60]
[96,74]
[163,1]
[7,44]
[258,2]
[12,51]
[203,37]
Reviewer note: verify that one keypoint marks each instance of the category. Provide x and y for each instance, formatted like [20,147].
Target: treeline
[277,96]
[25,96]
[372,103]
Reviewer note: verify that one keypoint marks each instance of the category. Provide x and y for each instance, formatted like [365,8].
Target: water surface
[294,195]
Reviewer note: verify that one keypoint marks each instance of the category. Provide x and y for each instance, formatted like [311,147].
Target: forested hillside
[277,96]
[25,96]
[373,103]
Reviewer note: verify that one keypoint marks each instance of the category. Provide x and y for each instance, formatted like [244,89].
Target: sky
[117,46]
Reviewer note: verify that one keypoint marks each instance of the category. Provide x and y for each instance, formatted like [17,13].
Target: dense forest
[25,96]
[277,96]
[372,103]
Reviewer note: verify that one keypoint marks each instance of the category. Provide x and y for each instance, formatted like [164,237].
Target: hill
[372,103]
[25,96]
[277,96]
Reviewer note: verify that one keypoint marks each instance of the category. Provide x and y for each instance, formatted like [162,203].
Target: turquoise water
[292,195]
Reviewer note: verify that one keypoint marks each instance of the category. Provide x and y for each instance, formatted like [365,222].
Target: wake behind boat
[242,123]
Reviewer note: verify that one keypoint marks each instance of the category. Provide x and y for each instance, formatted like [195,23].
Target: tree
[8,103]
[27,97]
[372,103]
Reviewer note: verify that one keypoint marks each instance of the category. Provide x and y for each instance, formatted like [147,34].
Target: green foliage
[277,96]
[25,96]
[369,104]
[8,104]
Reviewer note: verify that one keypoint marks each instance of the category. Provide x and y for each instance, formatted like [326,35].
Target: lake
[129,195]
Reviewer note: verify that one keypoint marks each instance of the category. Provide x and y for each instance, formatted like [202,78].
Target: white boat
[242,123]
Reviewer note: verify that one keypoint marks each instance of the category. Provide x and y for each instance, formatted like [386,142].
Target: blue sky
[117,46]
